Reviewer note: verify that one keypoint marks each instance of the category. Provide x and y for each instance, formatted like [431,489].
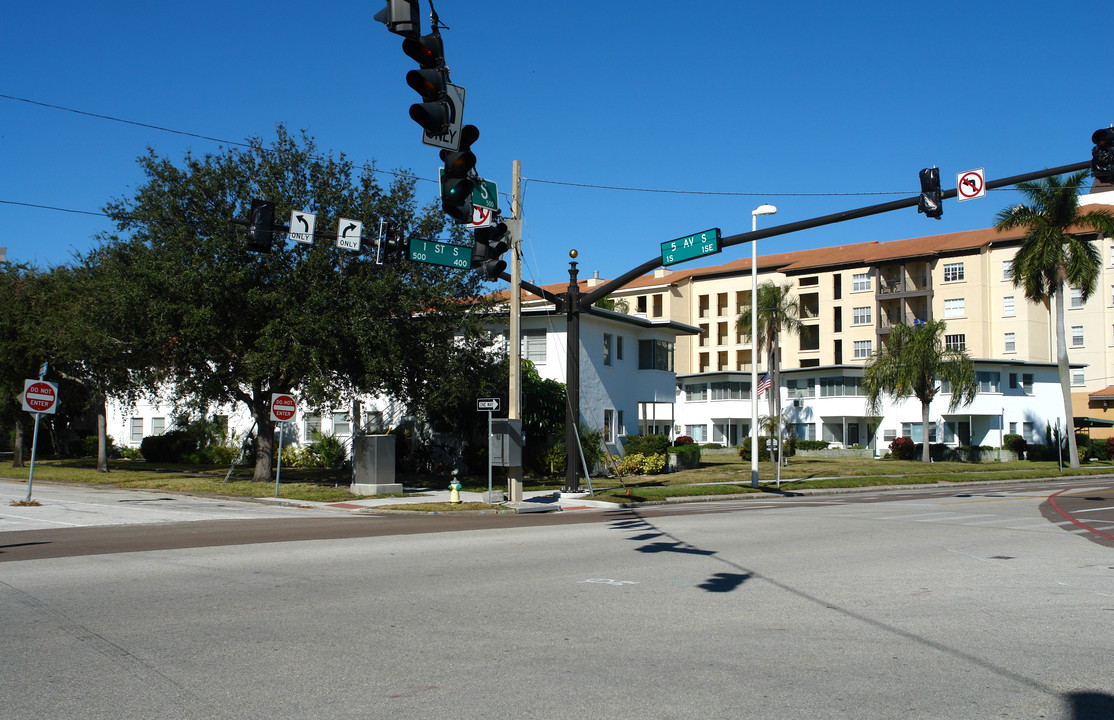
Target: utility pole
[572,381]
[514,395]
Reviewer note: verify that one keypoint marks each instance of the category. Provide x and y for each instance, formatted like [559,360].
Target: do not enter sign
[282,407]
[39,396]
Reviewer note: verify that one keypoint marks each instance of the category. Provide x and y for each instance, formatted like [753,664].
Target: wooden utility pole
[514,395]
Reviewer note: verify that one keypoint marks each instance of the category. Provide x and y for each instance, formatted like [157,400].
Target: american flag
[764,384]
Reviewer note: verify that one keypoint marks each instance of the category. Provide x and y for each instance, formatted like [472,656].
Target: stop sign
[39,396]
[282,407]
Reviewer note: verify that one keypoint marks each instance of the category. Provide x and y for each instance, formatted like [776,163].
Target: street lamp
[760,210]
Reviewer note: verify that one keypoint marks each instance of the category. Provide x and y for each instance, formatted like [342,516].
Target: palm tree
[909,362]
[778,311]
[1054,251]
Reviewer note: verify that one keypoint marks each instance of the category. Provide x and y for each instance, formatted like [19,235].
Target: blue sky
[809,106]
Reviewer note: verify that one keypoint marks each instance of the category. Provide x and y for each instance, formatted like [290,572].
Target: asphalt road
[962,604]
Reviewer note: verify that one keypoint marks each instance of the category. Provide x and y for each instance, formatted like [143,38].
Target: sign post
[38,397]
[283,408]
[488,405]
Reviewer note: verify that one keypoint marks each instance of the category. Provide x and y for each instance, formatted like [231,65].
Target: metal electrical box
[506,443]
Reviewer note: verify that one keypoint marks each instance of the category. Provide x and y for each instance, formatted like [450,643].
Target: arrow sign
[348,234]
[40,397]
[283,407]
[970,185]
[489,404]
[306,221]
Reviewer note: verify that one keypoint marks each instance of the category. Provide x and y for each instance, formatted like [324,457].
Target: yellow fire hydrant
[454,488]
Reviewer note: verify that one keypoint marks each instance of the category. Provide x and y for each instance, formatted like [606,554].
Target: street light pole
[760,210]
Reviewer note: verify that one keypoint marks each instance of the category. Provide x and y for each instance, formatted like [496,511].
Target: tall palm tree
[1056,250]
[779,311]
[910,361]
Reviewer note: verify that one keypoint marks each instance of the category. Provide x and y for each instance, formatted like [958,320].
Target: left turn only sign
[283,407]
[40,397]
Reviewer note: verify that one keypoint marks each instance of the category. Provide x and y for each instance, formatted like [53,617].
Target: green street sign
[439,253]
[485,194]
[690,246]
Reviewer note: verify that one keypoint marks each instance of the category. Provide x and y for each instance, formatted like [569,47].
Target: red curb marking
[1056,506]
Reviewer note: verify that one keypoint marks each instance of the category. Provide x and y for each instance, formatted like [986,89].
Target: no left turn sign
[40,397]
[282,407]
[970,184]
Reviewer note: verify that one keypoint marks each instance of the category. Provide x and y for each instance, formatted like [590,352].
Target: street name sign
[489,404]
[348,234]
[301,226]
[283,407]
[690,246]
[40,396]
[439,253]
[485,194]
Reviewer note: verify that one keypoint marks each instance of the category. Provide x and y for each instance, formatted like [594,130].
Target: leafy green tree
[1057,248]
[22,344]
[229,326]
[779,311]
[911,362]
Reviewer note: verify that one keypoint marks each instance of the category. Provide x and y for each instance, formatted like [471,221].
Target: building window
[1077,336]
[1007,305]
[1027,432]
[955,342]
[607,350]
[1027,383]
[803,431]
[342,424]
[1076,295]
[705,335]
[533,346]
[704,305]
[619,347]
[1011,345]
[810,281]
[809,337]
[860,281]
[1077,377]
[953,272]
[1007,270]
[915,432]
[312,426]
[696,392]
[841,386]
[837,286]
[889,436]
[989,381]
[703,360]
[721,360]
[699,433]
[801,387]
[658,305]
[655,355]
[158,426]
[862,349]
[1013,428]
[137,430]
[954,307]
[640,304]
[721,333]
[730,390]
[860,315]
[1013,381]
[620,429]
[608,429]
[721,304]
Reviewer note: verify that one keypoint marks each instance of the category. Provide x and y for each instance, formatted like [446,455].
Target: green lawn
[718,474]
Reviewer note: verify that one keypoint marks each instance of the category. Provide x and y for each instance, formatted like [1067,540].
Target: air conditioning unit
[796,402]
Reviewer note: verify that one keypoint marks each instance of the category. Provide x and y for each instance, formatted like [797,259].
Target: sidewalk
[534,501]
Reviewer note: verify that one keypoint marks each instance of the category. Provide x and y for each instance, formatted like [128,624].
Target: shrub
[89,446]
[639,464]
[170,447]
[902,448]
[763,451]
[689,455]
[646,444]
[1016,444]
[1038,452]
[683,440]
[1108,447]
[812,444]
[130,453]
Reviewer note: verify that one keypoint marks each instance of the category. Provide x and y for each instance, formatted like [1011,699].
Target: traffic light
[261,222]
[1102,156]
[931,202]
[392,242]
[456,181]
[401,17]
[488,247]
[430,81]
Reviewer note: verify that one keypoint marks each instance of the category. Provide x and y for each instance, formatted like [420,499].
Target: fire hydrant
[454,488]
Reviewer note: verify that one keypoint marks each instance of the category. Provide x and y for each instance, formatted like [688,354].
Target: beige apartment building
[850,297]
